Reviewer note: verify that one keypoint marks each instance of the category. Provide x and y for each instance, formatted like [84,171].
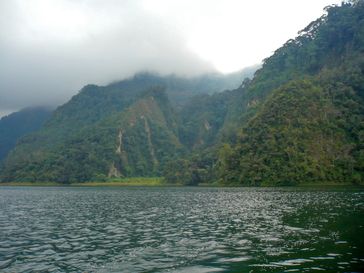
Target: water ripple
[180,230]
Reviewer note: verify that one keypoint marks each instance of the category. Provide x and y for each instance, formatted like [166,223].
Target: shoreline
[132,181]
[158,182]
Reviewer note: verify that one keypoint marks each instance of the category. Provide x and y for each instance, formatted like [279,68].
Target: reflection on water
[180,230]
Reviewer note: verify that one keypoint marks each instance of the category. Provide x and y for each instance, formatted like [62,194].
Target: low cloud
[49,49]
[44,61]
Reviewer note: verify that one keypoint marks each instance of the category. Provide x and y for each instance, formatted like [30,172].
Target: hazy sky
[49,49]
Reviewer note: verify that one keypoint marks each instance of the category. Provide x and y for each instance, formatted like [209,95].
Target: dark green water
[181,230]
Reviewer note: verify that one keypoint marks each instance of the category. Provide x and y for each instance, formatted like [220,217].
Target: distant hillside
[302,114]
[135,141]
[17,124]
[180,89]
[112,131]
[300,119]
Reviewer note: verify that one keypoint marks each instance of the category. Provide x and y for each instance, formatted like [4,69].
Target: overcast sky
[49,49]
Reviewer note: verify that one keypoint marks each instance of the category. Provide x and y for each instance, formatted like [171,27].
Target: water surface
[132,229]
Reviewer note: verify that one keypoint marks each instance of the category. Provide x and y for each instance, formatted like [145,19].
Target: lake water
[132,229]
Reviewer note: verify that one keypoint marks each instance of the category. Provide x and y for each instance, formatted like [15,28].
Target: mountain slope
[307,123]
[94,103]
[299,120]
[134,141]
[17,124]
[77,143]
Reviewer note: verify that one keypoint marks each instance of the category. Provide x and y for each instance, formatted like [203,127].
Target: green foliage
[17,124]
[299,120]
[192,169]
[127,128]
[294,138]
[202,118]
[133,142]
[307,124]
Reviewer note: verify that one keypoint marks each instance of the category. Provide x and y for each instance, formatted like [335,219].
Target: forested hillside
[300,119]
[127,128]
[308,125]
[135,141]
[17,124]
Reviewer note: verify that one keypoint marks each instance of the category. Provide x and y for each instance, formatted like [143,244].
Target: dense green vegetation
[128,128]
[299,120]
[299,135]
[17,124]
[308,126]
[132,142]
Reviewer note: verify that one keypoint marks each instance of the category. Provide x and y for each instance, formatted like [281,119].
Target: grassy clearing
[129,181]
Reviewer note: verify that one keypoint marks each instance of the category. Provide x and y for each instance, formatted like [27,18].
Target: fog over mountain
[37,69]
[50,49]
